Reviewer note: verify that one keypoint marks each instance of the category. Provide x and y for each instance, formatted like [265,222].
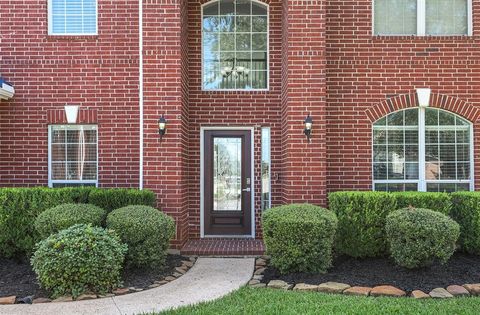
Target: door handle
[246,189]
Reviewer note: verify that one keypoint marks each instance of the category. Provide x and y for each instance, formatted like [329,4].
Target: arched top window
[235,45]
[424,149]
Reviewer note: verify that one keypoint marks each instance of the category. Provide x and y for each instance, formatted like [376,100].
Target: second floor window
[422,17]
[235,45]
[72,17]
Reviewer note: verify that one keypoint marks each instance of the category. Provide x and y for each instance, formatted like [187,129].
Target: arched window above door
[235,45]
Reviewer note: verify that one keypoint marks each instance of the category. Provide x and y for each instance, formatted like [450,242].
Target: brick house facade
[324,59]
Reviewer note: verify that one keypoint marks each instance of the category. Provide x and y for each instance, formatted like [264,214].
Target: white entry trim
[202,174]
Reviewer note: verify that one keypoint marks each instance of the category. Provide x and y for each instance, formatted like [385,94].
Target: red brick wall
[303,93]
[99,73]
[165,93]
[364,70]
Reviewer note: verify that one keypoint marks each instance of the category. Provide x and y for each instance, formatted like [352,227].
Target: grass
[269,301]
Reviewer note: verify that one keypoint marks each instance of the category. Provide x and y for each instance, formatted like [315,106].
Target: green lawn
[269,301]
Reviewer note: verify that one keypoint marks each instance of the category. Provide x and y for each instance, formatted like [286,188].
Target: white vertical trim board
[202,174]
[140,89]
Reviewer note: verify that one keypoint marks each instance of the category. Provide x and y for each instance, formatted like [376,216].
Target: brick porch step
[223,247]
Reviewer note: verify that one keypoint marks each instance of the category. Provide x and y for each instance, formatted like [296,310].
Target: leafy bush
[420,237]
[64,216]
[361,221]
[111,199]
[79,259]
[19,207]
[299,237]
[440,202]
[466,211]
[146,230]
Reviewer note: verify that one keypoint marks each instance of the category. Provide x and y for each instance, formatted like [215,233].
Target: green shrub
[111,199]
[420,237]
[64,216]
[361,221]
[299,237]
[440,202]
[466,211]
[19,207]
[79,259]
[147,232]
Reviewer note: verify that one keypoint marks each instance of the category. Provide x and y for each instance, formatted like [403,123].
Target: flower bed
[18,282]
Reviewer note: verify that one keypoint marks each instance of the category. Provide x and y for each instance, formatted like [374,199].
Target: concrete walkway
[208,279]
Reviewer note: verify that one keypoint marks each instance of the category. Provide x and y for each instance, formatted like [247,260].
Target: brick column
[303,92]
[165,160]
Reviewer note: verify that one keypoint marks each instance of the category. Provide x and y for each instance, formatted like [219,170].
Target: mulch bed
[460,269]
[17,277]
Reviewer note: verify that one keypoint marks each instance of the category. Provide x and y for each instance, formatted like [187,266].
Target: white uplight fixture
[6,90]
[423,95]
[71,111]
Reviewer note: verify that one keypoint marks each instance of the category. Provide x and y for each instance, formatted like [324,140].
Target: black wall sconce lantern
[308,127]
[162,126]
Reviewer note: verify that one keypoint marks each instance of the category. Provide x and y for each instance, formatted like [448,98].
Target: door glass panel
[227,174]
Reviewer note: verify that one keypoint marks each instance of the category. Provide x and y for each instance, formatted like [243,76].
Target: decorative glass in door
[227,174]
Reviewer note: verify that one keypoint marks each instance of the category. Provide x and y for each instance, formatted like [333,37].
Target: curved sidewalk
[208,279]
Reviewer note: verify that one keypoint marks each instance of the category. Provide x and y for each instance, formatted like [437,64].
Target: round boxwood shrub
[64,216]
[420,237]
[299,237]
[80,259]
[147,232]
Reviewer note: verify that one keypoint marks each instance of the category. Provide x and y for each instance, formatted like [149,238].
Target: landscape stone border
[451,291]
[177,273]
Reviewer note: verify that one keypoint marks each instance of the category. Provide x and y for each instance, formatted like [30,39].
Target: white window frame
[421,21]
[268,51]
[51,181]
[421,181]
[50,22]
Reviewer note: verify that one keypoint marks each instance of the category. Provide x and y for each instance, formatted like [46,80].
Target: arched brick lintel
[205,1]
[403,101]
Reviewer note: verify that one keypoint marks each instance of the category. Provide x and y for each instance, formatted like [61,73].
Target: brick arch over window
[403,101]
[206,1]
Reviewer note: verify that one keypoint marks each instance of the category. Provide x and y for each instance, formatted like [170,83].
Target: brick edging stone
[450,291]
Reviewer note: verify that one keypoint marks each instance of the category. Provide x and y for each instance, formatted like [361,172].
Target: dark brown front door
[227,182]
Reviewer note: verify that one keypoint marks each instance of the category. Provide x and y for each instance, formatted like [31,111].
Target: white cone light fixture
[71,111]
[6,90]
[423,96]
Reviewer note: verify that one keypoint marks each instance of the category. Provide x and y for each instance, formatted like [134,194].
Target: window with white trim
[266,169]
[72,155]
[72,17]
[424,149]
[422,17]
[235,45]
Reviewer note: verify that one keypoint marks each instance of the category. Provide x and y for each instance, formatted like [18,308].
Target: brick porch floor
[223,247]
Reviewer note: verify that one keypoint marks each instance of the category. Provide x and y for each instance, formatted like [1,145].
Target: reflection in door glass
[227,174]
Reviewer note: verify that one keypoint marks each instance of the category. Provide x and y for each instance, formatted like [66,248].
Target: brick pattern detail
[223,247]
[303,92]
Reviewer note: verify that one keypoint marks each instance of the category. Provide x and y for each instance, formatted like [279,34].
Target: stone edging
[178,272]
[343,288]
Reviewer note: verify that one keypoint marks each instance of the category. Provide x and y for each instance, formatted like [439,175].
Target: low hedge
[66,215]
[19,207]
[466,211]
[361,221]
[147,232]
[439,202]
[111,199]
[78,260]
[299,237]
[420,237]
